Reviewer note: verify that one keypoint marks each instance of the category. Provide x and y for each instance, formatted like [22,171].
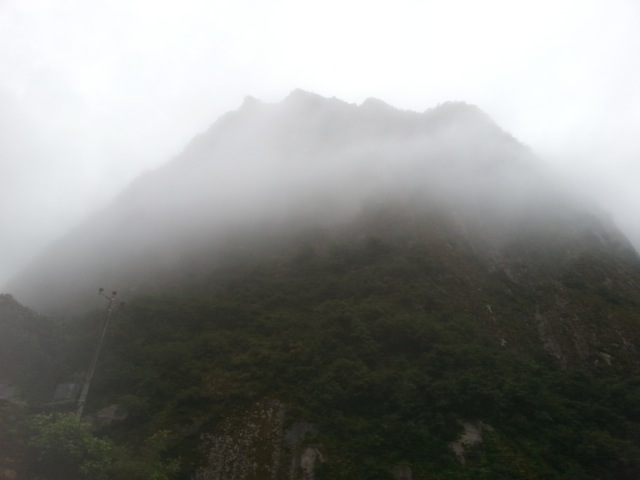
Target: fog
[94,94]
[269,177]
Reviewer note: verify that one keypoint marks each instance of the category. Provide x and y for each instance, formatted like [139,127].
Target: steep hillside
[28,351]
[319,290]
[305,160]
[373,352]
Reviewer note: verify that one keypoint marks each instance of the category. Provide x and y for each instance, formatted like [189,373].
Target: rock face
[469,442]
[255,445]
[247,447]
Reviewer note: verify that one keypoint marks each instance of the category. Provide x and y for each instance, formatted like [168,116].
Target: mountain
[306,161]
[317,289]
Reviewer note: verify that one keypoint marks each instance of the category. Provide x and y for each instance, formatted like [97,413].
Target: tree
[63,448]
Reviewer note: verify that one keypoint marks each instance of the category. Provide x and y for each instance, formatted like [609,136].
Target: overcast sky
[93,93]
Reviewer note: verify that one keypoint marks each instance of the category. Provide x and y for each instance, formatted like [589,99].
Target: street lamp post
[94,360]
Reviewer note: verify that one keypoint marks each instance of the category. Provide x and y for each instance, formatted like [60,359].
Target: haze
[270,177]
[92,94]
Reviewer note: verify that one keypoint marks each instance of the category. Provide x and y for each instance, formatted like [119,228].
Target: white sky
[93,92]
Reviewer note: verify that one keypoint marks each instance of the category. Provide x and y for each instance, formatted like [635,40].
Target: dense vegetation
[384,282]
[375,341]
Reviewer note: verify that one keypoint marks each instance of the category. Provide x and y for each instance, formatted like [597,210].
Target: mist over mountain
[322,290]
[305,161]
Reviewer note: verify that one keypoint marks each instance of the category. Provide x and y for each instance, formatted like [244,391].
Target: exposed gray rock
[254,445]
[402,472]
[470,439]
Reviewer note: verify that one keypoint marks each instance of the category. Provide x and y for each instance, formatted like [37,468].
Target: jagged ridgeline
[265,169]
[322,290]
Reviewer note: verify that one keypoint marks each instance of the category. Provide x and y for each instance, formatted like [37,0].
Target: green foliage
[13,434]
[146,463]
[29,350]
[63,447]
[378,342]
[362,346]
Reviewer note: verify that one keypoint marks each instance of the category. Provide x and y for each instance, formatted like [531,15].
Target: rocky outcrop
[254,444]
[467,446]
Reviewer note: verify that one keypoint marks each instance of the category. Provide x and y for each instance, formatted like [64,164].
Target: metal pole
[94,360]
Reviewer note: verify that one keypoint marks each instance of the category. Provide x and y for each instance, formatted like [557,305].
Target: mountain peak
[304,99]
[299,95]
[305,157]
[457,109]
[250,102]
[373,103]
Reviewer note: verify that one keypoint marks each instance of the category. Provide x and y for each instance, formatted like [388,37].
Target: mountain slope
[305,161]
[266,178]
[323,290]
